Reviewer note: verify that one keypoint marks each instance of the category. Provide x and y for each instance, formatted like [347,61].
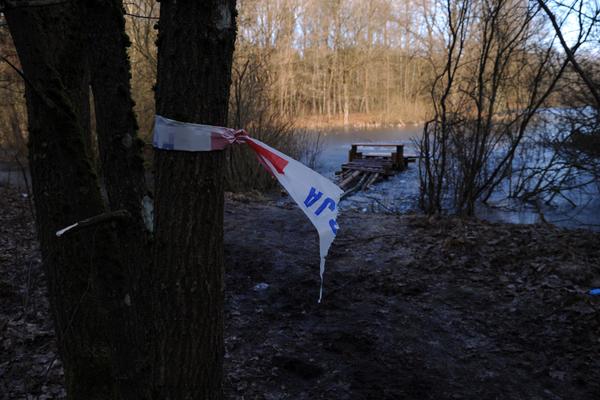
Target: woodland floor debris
[414,308]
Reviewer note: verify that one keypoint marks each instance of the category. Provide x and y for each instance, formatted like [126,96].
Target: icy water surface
[400,192]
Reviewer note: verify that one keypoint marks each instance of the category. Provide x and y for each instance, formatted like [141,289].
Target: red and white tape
[316,195]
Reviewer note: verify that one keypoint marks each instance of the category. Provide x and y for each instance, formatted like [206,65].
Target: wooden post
[353,152]
[399,155]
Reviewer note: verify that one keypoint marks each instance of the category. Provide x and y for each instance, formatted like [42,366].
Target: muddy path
[413,309]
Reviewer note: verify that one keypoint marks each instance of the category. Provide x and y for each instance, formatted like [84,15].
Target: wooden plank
[366,168]
[369,164]
[377,144]
[388,155]
[346,174]
[377,171]
[349,178]
[357,164]
[355,187]
[371,181]
[342,174]
[367,180]
[353,175]
[371,161]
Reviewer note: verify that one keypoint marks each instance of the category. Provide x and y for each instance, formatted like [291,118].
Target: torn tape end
[64,230]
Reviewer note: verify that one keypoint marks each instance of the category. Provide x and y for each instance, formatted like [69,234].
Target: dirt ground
[413,308]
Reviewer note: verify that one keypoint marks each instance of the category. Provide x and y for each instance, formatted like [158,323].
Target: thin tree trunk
[346,108]
[195,47]
[366,91]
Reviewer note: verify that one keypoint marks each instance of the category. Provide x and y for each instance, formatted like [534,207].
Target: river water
[399,194]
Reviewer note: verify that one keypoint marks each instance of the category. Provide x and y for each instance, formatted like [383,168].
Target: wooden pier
[366,167]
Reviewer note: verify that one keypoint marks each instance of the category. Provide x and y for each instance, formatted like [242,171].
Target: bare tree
[485,99]
[561,158]
[579,148]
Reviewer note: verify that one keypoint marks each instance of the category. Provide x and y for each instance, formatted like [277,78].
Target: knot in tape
[223,137]
[240,136]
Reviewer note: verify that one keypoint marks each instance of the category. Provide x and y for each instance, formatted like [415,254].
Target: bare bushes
[251,104]
[244,173]
[13,140]
[580,119]
[538,174]
[141,29]
[498,71]
[251,110]
[581,149]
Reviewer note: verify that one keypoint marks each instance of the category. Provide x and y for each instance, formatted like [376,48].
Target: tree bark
[123,174]
[66,190]
[195,47]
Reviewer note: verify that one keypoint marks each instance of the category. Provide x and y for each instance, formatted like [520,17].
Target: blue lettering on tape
[334,226]
[313,197]
[327,203]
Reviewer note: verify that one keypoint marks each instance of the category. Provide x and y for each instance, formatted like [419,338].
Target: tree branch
[141,16]
[27,81]
[570,55]
[15,68]
[119,215]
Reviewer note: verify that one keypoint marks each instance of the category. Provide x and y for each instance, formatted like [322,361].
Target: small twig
[27,81]
[118,215]
[141,16]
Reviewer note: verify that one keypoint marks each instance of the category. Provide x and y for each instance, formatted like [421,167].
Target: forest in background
[316,63]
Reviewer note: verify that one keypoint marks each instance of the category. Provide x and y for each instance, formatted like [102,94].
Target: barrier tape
[316,195]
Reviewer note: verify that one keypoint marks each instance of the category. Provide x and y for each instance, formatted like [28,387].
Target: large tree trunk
[195,47]
[122,166]
[65,187]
